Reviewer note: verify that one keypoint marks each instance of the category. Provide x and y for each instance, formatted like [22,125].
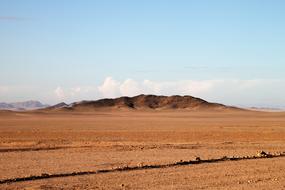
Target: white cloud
[84,92]
[152,87]
[76,90]
[258,92]
[130,88]
[59,93]
[110,88]
[255,92]
[77,93]
[184,87]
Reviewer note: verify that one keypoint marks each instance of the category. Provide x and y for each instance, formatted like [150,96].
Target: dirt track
[35,144]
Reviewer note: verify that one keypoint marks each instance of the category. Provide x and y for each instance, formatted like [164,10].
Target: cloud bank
[255,92]
[129,87]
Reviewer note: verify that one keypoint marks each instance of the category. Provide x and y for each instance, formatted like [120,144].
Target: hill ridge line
[154,102]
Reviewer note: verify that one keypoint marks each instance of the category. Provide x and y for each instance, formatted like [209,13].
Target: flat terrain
[33,144]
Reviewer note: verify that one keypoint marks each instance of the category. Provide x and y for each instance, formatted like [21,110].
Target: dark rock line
[260,155]
[40,148]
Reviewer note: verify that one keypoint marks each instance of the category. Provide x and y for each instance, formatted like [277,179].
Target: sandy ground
[37,143]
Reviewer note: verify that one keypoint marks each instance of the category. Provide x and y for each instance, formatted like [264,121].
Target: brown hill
[146,102]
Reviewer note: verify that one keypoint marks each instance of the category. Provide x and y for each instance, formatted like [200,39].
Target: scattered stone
[198,159]
[224,157]
[140,164]
[262,154]
[45,174]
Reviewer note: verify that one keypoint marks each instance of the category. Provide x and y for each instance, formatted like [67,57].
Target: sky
[227,51]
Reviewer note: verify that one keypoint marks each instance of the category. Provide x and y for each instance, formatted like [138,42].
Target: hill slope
[145,102]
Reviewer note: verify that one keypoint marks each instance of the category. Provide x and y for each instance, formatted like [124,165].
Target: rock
[262,154]
[141,164]
[224,158]
[45,174]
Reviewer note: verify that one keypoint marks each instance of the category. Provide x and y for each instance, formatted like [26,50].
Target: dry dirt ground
[33,144]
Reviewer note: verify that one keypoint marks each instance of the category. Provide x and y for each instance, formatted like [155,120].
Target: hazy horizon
[229,52]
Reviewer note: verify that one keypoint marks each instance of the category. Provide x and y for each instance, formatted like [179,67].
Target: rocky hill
[144,102]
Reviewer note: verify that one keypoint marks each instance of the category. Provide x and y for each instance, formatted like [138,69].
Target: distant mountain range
[140,102]
[26,105]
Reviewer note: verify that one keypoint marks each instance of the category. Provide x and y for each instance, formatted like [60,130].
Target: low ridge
[145,102]
[26,105]
[57,106]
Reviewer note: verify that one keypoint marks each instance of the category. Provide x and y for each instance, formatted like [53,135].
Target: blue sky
[226,51]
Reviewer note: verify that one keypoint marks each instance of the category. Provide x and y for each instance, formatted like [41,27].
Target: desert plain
[43,143]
